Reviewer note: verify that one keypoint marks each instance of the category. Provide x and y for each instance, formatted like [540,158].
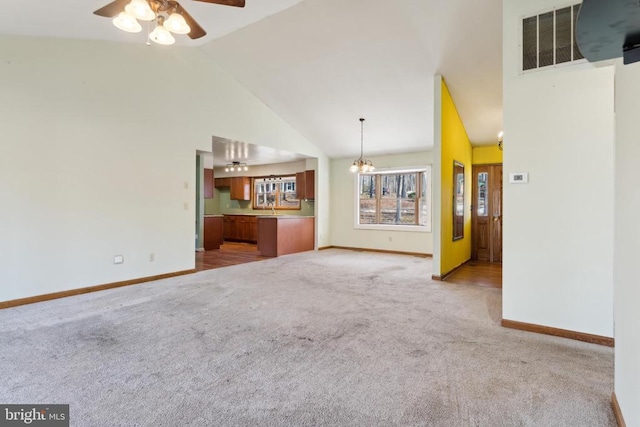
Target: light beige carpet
[335,338]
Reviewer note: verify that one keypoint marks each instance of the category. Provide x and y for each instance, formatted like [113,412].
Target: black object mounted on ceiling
[608,29]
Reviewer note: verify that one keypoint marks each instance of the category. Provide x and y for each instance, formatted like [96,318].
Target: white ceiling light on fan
[127,23]
[169,15]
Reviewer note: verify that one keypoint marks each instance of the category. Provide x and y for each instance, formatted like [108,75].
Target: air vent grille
[548,38]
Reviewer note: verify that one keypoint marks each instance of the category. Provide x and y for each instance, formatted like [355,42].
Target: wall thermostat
[519,178]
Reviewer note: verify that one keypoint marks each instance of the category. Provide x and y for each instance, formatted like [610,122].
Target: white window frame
[426,228]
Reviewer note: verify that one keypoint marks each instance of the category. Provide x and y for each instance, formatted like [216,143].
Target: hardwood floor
[230,253]
[479,274]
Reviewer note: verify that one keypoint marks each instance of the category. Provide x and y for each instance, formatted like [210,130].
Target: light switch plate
[118,259]
[519,178]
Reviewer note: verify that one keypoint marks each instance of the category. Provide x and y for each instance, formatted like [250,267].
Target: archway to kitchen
[249,193]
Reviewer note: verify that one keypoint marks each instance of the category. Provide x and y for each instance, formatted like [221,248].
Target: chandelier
[166,16]
[361,165]
[236,166]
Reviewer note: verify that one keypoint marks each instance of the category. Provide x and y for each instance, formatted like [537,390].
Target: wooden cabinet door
[228,228]
[240,188]
[208,184]
[213,233]
[222,182]
[300,186]
[310,184]
[305,185]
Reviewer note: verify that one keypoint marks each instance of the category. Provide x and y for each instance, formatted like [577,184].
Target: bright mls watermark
[34,415]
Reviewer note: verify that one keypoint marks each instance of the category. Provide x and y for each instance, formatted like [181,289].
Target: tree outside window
[278,192]
[394,198]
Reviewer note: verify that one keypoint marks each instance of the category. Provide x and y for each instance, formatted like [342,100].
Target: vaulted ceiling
[323,64]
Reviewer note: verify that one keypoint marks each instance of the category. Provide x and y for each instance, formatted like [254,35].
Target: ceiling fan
[169,16]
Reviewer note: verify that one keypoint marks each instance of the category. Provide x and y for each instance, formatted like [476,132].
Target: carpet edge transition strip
[617,411]
[79,291]
[564,333]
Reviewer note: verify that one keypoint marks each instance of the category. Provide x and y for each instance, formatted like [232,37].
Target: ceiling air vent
[548,39]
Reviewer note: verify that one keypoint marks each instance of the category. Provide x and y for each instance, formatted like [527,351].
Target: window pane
[287,195]
[482,194]
[367,196]
[530,43]
[397,202]
[424,213]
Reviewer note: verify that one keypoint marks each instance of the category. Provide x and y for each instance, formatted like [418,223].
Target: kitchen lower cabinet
[212,232]
[240,228]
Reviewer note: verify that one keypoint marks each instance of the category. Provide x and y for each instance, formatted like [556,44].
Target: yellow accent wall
[487,155]
[455,146]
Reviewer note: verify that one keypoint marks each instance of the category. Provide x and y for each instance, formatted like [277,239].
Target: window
[277,192]
[395,199]
[548,39]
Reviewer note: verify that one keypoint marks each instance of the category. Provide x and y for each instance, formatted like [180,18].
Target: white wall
[627,238]
[558,228]
[343,207]
[98,141]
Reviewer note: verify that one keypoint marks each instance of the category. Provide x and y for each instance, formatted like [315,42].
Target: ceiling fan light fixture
[176,24]
[162,36]
[141,10]
[127,23]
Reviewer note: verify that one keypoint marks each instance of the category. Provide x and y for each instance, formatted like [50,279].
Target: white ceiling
[226,151]
[323,64]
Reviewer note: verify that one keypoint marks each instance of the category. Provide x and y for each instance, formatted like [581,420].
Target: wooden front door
[487,213]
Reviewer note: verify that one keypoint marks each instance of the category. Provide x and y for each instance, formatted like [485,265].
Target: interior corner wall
[558,227]
[487,155]
[627,237]
[455,146]
[94,162]
[343,208]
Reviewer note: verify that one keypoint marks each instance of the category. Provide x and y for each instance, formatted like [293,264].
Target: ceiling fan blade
[112,9]
[236,3]
[196,30]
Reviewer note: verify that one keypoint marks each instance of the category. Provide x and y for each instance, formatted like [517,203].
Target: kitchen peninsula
[285,234]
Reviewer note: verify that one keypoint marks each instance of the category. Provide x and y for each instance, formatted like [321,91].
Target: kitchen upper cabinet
[240,188]
[222,182]
[306,185]
[208,184]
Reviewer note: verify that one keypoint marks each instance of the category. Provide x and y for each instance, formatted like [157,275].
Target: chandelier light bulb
[127,23]
[246,168]
[141,10]
[226,169]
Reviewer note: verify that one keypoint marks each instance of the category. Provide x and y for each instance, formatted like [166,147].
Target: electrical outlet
[186,206]
[186,185]
[390,239]
[152,257]
[118,259]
